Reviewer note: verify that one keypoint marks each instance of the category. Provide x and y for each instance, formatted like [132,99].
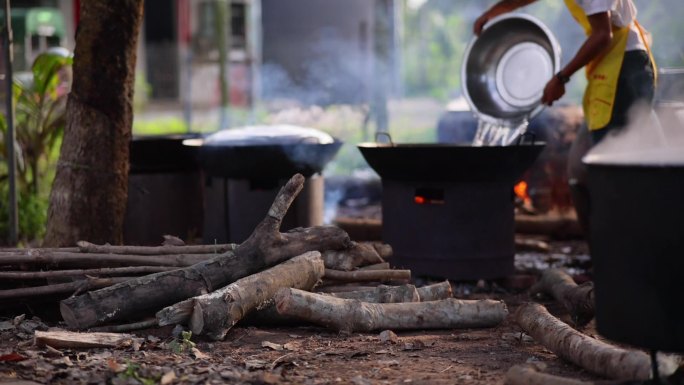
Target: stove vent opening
[429,196]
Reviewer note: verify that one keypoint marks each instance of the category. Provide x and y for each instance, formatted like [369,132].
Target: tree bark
[265,247]
[356,316]
[88,197]
[577,299]
[87,247]
[591,354]
[215,313]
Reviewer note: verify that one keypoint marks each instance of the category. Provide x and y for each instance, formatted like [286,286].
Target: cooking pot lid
[264,135]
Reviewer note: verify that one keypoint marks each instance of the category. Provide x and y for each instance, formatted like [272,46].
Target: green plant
[40,117]
[183,344]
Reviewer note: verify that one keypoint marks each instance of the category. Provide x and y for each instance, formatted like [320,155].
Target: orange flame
[520,190]
[419,199]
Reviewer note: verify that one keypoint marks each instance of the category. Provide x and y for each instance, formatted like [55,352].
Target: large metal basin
[506,68]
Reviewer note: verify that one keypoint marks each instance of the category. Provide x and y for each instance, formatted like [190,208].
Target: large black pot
[637,247]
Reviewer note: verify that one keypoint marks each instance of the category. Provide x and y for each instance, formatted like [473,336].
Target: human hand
[480,22]
[553,91]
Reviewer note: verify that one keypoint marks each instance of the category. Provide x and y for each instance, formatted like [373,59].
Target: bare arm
[503,6]
[596,44]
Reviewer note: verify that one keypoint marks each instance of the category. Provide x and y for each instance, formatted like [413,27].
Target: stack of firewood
[314,274]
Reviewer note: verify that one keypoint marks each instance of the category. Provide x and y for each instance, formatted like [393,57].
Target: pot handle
[387,134]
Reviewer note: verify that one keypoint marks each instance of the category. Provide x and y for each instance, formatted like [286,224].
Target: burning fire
[520,190]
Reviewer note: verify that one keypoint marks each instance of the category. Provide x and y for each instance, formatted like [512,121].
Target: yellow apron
[603,72]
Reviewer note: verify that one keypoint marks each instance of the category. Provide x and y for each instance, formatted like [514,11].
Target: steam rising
[653,138]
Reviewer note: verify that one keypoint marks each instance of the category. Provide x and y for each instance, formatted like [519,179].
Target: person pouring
[620,71]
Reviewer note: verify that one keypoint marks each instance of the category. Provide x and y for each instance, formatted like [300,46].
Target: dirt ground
[306,354]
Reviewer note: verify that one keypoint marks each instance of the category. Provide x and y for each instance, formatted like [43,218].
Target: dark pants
[635,85]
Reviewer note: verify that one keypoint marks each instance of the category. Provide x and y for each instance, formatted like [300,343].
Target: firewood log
[435,291]
[215,313]
[376,266]
[368,275]
[107,271]
[87,247]
[357,255]
[72,340]
[59,259]
[356,316]
[383,294]
[264,248]
[67,288]
[589,353]
[577,299]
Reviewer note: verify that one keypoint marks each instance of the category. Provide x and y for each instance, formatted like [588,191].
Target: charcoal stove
[448,209]
[246,167]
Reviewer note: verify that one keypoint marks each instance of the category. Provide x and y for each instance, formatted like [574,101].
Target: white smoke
[653,137]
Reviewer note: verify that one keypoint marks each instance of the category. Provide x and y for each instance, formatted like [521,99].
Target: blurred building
[311,51]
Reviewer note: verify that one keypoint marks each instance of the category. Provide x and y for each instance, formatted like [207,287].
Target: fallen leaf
[415,345]
[199,355]
[388,362]
[271,345]
[115,366]
[292,346]
[389,336]
[12,357]
[256,364]
[168,378]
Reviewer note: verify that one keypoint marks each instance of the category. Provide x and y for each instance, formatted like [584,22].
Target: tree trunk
[589,353]
[88,197]
[435,291]
[265,247]
[577,299]
[356,316]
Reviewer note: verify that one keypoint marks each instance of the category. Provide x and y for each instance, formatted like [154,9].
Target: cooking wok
[448,162]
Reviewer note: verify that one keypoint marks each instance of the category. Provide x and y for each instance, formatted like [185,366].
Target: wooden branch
[531,375]
[73,340]
[79,286]
[383,294]
[435,292]
[144,324]
[58,258]
[215,313]
[384,250]
[357,254]
[591,354]
[342,288]
[377,266]
[368,275]
[265,247]
[577,299]
[353,315]
[87,247]
[109,271]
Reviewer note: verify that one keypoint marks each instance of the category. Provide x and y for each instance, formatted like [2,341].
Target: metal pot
[637,242]
[506,68]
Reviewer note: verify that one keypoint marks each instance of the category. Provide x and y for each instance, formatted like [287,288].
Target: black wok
[448,162]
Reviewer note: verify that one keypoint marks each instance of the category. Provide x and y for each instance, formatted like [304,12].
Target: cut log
[435,291]
[383,294]
[265,247]
[356,316]
[74,340]
[358,254]
[531,375]
[577,299]
[57,259]
[107,271]
[368,275]
[215,313]
[144,324]
[384,250]
[87,247]
[68,288]
[343,288]
[589,353]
